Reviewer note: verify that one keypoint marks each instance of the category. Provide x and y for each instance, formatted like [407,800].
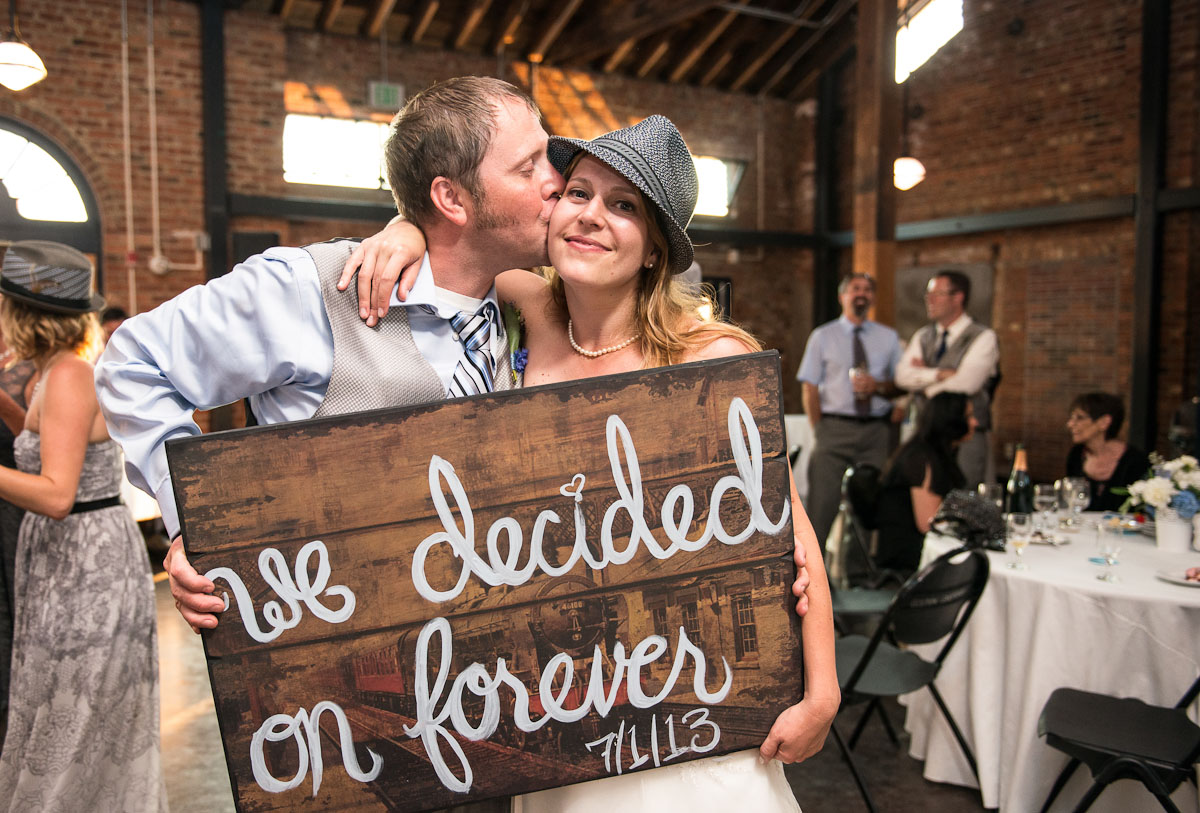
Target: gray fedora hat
[50,276]
[653,157]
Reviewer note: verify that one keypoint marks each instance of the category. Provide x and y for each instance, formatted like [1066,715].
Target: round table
[1055,624]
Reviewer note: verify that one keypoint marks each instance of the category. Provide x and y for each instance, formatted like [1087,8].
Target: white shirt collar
[446,303]
[955,328]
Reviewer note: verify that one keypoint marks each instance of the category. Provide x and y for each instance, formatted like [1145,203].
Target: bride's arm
[394,253]
[800,731]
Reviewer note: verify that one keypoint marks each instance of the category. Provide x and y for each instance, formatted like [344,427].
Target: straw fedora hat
[50,276]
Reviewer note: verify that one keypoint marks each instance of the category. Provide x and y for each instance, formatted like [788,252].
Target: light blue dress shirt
[260,332]
[829,356]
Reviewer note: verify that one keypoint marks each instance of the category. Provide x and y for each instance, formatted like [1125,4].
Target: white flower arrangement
[1170,484]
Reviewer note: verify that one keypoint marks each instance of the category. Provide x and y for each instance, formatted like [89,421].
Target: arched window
[45,195]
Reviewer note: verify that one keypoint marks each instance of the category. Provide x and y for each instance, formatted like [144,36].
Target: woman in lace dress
[83,717]
[617,238]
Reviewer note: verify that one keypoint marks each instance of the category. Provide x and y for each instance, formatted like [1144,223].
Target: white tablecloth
[1054,625]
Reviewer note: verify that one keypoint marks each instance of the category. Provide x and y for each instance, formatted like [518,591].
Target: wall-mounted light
[907,172]
[20,67]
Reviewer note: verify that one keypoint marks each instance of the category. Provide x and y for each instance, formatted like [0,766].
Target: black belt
[854,418]
[95,505]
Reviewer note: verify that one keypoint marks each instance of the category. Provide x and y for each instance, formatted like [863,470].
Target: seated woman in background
[1094,420]
[918,476]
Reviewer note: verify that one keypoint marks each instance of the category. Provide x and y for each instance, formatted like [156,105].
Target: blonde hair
[33,333]
[673,318]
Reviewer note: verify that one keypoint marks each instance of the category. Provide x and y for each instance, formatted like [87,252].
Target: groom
[466,161]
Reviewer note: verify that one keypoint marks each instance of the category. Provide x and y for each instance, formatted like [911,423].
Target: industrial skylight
[929,29]
[41,187]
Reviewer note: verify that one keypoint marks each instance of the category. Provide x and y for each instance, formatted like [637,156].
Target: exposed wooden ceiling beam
[783,70]
[474,17]
[699,45]
[761,58]
[283,7]
[825,58]
[506,32]
[329,13]
[377,17]
[607,28]
[714,70]
[550,33]
[421,20]
[655,51]
[618,56]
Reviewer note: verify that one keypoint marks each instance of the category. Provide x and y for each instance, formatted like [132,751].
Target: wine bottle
[1020,486]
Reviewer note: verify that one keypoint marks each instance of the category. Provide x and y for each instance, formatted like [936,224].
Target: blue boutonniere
[514,328]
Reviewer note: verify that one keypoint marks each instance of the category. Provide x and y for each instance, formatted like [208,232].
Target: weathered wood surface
[361,485]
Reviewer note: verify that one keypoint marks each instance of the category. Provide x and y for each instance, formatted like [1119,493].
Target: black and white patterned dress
[83,731]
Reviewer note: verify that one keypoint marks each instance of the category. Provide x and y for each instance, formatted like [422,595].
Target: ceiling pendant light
[20,67]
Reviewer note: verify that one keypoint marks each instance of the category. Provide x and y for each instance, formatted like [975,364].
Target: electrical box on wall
[385,95]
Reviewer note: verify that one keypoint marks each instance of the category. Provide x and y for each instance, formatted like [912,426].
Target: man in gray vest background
[467,162]
[955,354]
[847,373]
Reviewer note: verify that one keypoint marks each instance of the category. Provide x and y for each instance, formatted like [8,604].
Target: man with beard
[847,375]
[467,162]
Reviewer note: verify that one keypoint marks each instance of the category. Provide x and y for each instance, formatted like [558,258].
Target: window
[334,152]
[41,187]
[691,621]
[659,616]
[718,182]
[934,24]
[745,633]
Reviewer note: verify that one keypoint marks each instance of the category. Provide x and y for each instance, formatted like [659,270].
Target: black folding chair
[1122,738]
[933,604]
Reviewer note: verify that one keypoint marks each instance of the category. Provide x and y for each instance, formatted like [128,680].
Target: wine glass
[1076,494]
[1110,539]
[1045,500]
[1018,537]
[993,493]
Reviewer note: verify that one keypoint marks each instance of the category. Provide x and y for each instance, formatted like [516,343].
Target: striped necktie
[477,368]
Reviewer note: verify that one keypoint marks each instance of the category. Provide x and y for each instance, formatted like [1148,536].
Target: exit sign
[385,95]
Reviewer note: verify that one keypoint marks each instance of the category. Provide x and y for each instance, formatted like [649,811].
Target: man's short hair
[846,280]
[444,130]
[959,283]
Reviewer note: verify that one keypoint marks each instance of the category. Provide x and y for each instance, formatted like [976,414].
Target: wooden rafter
[824,57]
[761,58]
[377,17]
[654,51]
[783,70]
[329,13]
[544,41]
[618,56]
[283,7]
[700,45]
[506,33]
[474,17]
[714,70]
[421,20]
[606,29]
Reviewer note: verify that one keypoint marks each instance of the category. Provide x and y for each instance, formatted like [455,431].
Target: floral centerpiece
[1170,485]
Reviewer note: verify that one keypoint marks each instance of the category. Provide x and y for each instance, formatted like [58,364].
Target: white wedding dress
[737,781]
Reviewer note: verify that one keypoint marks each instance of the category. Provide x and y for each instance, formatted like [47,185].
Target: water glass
[1045,500]
[1076,493]
[1109,539]
[1018,538]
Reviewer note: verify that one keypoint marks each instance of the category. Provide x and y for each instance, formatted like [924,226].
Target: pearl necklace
[596,353]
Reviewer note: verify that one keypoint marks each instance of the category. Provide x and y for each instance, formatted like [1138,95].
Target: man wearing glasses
[955,354]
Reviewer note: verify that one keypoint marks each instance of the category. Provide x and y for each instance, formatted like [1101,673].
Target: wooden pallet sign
[494,595]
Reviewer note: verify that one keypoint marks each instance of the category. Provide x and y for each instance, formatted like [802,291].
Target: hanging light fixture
[20,67]
[907,171]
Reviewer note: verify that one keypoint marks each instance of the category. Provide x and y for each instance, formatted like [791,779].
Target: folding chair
[933,604]
[1122,738]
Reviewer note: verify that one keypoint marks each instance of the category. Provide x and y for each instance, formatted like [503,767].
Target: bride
[610,305]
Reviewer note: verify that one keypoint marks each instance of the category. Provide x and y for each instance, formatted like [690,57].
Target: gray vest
[953,356]
[377,367]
